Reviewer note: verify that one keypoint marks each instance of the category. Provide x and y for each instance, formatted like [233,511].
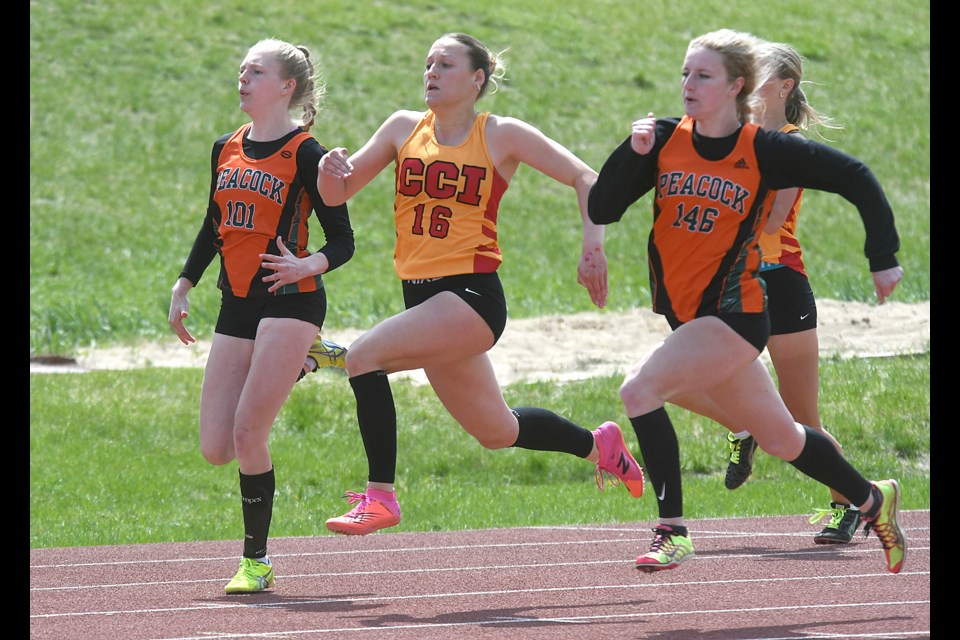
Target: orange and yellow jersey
[703,248]
[783,246]
[446,204]
[259,200]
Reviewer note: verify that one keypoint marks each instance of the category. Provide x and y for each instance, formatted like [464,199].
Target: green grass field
[114,457]
[125,102]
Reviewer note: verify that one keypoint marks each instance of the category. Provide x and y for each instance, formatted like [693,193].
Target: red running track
[752,578]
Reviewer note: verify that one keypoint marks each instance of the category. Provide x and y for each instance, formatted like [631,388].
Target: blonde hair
[295,63]
[739,52]
[493,64]
[779,60]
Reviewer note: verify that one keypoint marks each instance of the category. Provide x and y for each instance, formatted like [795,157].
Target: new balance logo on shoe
[363,516]
[741,164]
[623,464]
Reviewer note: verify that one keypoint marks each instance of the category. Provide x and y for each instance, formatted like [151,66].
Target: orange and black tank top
[783,247]
[446,204]
[258,201]
[703,248]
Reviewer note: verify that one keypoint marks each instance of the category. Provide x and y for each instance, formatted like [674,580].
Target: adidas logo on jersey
[741,164]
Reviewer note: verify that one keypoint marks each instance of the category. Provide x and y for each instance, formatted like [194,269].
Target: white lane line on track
[474,594]
[383,572]
[644,540]
[832,550]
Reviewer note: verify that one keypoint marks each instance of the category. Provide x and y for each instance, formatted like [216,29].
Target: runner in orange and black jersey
[257,194]
[273,302]
[731,240]
[714,173]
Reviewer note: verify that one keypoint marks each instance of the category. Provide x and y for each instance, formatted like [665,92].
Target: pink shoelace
[353,498]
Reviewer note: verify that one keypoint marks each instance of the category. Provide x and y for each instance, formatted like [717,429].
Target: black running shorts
[482,291]
[790,301]
[240,317]
[752,327]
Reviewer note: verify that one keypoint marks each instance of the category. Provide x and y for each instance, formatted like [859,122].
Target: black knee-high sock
[821,461]
[543,430]
[377,416]
[661,460]
[256,495]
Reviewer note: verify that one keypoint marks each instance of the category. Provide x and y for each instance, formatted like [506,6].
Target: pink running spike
[616,460]
[368,516]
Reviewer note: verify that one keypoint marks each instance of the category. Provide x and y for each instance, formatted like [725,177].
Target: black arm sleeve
[204,246]
[335,221]
[626,176]
[793,161]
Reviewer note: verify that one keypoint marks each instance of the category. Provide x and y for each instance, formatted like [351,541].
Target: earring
[783,95]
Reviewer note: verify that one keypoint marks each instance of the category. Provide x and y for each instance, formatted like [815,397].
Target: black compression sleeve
[793,161]
[201,254]
[626,176]
[204,245]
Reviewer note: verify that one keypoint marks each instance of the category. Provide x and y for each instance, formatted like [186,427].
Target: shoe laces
[353,498]
[884,531]
[599,474]
[736,446]
[661,537]
[251,567]
[836,516]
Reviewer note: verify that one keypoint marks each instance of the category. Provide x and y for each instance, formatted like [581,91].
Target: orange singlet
[446,204]
[258,201]
[703,249]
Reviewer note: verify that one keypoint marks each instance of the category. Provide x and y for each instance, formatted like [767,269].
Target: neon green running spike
[327,353]
[668,550]
[885,525]
[843,523]
[252,576]
[324,353]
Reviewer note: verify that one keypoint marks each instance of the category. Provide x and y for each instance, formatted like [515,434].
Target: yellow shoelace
[820,514]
